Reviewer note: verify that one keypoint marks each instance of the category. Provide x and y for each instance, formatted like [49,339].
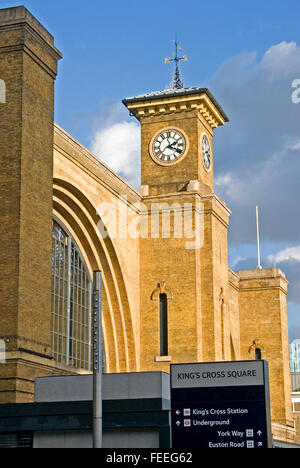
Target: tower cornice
[171,101]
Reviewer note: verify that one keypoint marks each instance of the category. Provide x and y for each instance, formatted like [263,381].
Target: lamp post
[97,362]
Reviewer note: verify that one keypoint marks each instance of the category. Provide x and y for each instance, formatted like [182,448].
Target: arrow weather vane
[176,82]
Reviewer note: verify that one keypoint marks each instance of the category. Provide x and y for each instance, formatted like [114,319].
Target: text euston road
[220,405]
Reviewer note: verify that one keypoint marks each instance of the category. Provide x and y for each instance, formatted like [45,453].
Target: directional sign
[220,405]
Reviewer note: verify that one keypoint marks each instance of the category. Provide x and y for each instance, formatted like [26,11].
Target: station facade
[169,295]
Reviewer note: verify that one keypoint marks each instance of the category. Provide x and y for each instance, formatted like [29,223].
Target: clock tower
[177,128]
[183,272]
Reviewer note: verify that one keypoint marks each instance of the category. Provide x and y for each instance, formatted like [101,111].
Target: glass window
[71,302]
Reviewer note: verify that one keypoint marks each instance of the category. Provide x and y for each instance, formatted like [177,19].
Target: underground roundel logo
[168,146]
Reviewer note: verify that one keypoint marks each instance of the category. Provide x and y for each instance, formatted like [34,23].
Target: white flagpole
[259,267]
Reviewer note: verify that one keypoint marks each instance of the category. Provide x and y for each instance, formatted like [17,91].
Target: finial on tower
[177,81]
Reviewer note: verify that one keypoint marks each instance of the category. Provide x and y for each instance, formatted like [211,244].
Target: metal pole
[97,364]
[259,267]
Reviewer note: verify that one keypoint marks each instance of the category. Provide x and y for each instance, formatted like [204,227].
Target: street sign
[221,405]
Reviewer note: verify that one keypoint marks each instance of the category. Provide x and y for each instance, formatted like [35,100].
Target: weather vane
[176,82]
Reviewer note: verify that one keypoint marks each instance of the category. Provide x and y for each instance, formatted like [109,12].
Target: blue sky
[113,49]
[246,52]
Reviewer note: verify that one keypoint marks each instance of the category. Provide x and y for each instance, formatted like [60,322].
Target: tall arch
[78,214]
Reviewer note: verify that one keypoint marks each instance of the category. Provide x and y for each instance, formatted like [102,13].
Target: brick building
[168,293]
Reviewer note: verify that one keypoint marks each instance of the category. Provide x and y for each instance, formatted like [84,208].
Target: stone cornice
[268,278]
[21,357]
[20,18]
[233,280]
[198,203]
[169,105]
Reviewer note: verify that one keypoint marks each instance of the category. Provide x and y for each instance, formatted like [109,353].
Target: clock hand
[176,150]
[172,145]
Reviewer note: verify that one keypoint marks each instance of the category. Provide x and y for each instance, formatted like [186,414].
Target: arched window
[163,309]
[71,302]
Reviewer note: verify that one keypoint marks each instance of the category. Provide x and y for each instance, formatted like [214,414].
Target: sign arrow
[259,444]
[178,423]
[178,412]
[259,433]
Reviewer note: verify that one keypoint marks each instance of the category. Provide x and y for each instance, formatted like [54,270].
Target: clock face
[206,153]
[168,146]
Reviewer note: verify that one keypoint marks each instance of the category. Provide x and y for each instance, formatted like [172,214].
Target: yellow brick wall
[84,191]
[296,415]
[28,65]
[263,318]
[234,316]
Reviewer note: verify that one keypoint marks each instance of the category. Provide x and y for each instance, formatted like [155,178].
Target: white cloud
[295,147]
[256,156]
[224,180]
[282,58]
[286,255]
[257,159]
[117,144]
[237,261]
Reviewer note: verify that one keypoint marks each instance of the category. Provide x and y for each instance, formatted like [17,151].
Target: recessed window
[71,302]
[163,310]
